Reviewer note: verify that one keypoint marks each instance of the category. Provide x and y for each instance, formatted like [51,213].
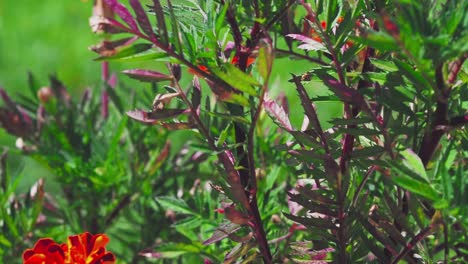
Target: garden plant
[276,131]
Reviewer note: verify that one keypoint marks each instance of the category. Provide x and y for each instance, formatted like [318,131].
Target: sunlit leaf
[237,78]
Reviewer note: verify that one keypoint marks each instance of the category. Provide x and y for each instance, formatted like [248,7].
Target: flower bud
[45,94]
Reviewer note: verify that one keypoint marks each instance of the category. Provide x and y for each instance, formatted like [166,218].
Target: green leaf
[223,136]
[379,40]
[237,78]
[176,205]
[127,51]
[4,241]
[416,186]
[147,55]
[384,65]
[414,163]
[414,76]
[235,99]
[265,61]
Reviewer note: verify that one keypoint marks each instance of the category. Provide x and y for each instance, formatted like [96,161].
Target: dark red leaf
[196,92]
[123,13]
[235,216]
[147,75]
[345,93]
[142,18]
[223,231]
[154,116]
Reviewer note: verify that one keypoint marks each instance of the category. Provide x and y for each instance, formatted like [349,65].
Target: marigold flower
[80,249]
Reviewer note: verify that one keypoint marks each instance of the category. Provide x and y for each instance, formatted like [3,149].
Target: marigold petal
[99,241]
[42,244]
[87,240]
[107,258]
[55,253]
[36,259]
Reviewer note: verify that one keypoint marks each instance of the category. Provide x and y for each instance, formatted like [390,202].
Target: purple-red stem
[420,236]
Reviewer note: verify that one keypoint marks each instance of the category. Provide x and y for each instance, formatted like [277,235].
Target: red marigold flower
[80,249]
[44,251]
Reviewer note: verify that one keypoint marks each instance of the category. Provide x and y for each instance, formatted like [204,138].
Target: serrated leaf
[278,114]
[345,93]
[311,221]
[308,43]
[147,75]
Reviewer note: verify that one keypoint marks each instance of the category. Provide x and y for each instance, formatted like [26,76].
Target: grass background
[46,37]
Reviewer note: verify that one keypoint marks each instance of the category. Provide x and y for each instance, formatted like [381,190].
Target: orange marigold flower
[250,60]
[80,249]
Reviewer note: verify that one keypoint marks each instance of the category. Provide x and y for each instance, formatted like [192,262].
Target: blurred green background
[46,37]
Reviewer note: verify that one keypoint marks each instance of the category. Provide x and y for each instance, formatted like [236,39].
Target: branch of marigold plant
[250,141]
[455,68]
[251,207]
[302,56]
[340,194]
[362,184]
[348,141]
[237,35]
[278,15]
[194,115]
[347,149]
[246,159]
[432,137]
[171,53]
[416,239]
[309,109]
